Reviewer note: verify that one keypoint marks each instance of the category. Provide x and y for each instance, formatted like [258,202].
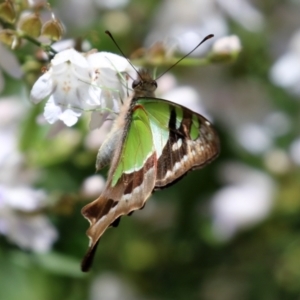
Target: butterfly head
[145,85]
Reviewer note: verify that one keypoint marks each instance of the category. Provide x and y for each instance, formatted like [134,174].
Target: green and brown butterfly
[152,144]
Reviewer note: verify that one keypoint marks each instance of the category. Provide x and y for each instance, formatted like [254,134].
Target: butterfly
[153,143]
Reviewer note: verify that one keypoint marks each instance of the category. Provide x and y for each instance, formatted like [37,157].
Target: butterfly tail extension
[100,214]
[131,193]
[89,258]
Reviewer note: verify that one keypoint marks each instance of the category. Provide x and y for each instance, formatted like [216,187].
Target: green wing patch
[137,146]
[183,139]
[159,116]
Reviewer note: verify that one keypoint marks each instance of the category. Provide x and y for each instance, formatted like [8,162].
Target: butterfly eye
[154,83]
[135,83]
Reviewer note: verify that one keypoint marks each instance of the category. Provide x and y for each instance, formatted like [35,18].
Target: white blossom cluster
[21,218]
[76,82]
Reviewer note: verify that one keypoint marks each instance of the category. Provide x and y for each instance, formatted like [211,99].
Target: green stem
[46,47]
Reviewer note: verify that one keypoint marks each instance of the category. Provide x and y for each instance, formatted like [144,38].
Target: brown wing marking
[130,193]
[181,153]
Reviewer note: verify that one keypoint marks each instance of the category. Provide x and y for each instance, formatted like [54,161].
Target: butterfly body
[153,143]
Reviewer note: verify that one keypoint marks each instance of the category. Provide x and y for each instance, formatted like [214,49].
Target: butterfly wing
[163,142]
[130,182]
[183,139]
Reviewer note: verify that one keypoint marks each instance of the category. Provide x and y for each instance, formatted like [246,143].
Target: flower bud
[53,29]
[226,49]
[155,55]
[10,38]
[7,12]
[31,25]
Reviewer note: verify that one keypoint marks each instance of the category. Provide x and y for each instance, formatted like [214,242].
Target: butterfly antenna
[112,38]
[205,39]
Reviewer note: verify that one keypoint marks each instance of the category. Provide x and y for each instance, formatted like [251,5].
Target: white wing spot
[177,166]
[177,145]
[169,173]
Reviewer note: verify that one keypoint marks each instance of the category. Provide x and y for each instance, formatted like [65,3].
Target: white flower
[277,123]
[106,86]
[245,201]
[92,186]
[76,83]
[188,23]
[18,200]
[254,138]
[109,286]
[11,112]
[22,198]
[294,151]
[286,70]
[243,12]
[227,45]
[277,161]
[31,232]
[10,64]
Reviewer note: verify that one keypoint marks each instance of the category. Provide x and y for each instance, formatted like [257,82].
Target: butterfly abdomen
[107,148]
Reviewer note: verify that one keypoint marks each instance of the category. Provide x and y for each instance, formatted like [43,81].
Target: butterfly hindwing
[184,140]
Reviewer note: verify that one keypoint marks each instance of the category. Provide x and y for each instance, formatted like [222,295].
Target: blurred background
[230,231]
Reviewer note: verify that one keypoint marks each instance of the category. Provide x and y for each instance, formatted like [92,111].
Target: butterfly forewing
[130,182]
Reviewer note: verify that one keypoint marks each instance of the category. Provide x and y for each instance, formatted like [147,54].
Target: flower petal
[24,198]
[34,233]
[109,60]
[70,116]
[42,88]
[72,80]
[286,71]
[9,63]
[52,111]
[70,55]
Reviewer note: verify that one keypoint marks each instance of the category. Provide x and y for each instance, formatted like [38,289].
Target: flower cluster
[25,22]
[21,22]
[21,205]
[76,82]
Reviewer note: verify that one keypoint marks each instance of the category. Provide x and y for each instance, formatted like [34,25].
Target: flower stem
[45,47]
